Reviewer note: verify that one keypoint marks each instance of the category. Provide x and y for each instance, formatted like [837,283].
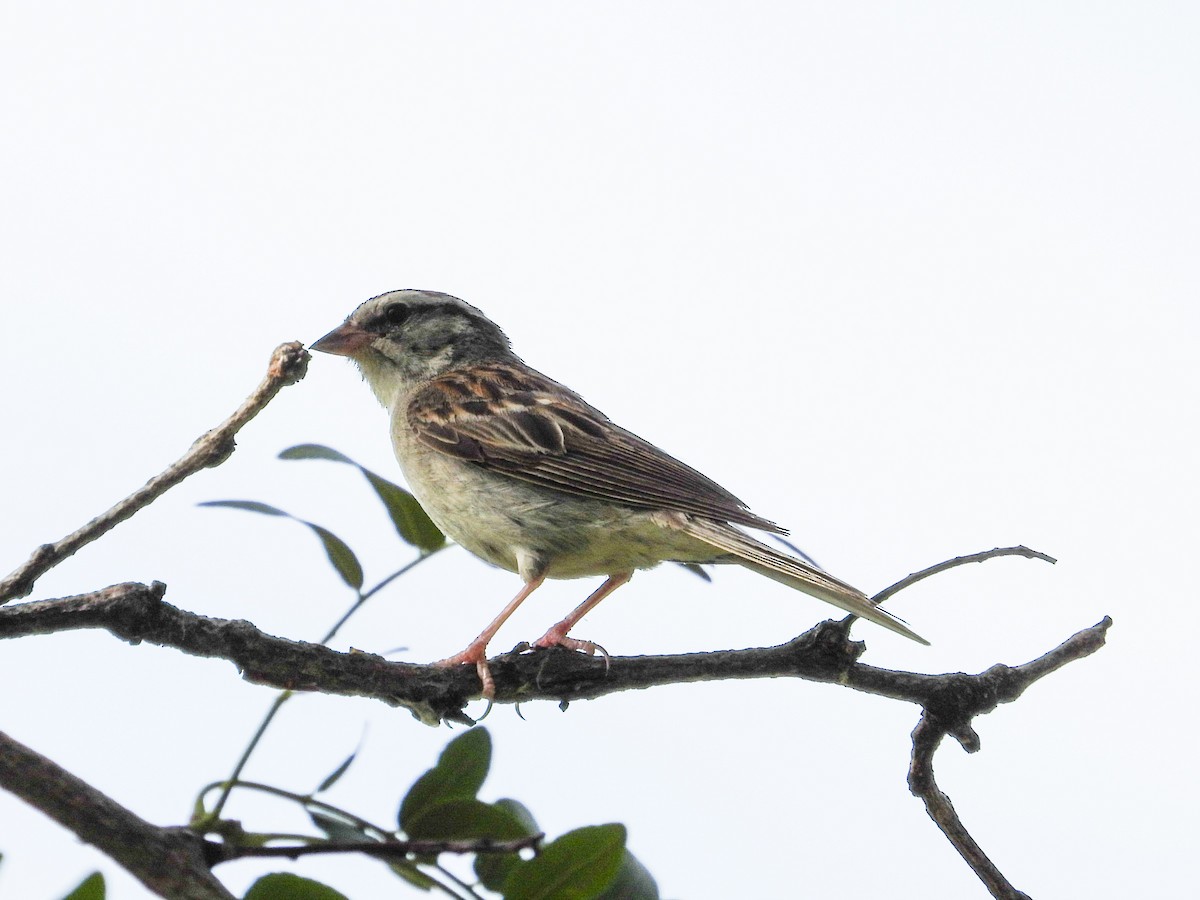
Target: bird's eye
[395,314]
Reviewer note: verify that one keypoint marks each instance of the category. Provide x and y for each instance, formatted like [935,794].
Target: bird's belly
[525,528]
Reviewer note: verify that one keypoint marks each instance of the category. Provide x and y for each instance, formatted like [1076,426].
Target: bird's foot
[556,638]
[477,654]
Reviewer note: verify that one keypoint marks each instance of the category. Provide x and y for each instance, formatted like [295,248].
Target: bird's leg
[476,651]
[557,635]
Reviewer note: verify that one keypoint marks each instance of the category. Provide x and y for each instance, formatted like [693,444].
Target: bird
[527,475]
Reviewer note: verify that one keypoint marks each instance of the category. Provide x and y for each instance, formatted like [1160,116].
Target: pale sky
[914,280]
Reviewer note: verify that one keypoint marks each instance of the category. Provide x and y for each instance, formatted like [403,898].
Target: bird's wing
[514,420]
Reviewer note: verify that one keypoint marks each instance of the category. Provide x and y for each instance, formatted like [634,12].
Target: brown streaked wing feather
[519,422]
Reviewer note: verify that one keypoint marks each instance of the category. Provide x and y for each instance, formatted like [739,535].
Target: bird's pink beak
[345,340]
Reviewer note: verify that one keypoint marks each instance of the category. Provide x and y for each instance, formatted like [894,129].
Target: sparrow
[525,474]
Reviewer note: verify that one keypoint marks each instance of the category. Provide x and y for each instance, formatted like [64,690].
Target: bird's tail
[790,571]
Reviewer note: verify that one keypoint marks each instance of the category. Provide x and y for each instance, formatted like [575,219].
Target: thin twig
[309,802]
[259,733]
[288,365]
[391,849]
[283,697]
[467,890]
[912,579]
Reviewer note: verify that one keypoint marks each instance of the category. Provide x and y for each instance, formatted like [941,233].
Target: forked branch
[952,715]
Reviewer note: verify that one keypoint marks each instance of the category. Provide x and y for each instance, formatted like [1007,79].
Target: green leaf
[341,557]
[459,773]
[91,888]
[410,873]
[633,882]
[493,868]
[519,812]
[286,886]
[408,516]
[411,521]
[580,865]
[332,778]
[338,829]
[315,451]
[248,506]
[464,819]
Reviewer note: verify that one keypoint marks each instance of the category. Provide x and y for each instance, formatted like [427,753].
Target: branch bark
[951,714]
[288,365]
[137,612]
[171,862]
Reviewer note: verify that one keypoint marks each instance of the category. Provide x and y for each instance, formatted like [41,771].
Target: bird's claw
[476,654]
[591,648]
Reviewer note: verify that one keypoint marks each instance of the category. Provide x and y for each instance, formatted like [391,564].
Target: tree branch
[288,365]
[171,862]
[951,711]
[949,702]
[138,613]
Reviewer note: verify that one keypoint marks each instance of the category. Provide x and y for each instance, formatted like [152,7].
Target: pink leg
[476,651]
[557,635]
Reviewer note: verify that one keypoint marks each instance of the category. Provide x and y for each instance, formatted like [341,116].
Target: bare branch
[952,713]
[926,739]
[288,365]
[912,579]
[137,613]
[171,862]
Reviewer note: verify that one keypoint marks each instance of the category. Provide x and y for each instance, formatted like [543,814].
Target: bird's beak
[345,340]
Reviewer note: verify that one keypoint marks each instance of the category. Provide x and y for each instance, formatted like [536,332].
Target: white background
[916,280]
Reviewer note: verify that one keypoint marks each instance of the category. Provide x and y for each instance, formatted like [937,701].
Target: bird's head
[403,338]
